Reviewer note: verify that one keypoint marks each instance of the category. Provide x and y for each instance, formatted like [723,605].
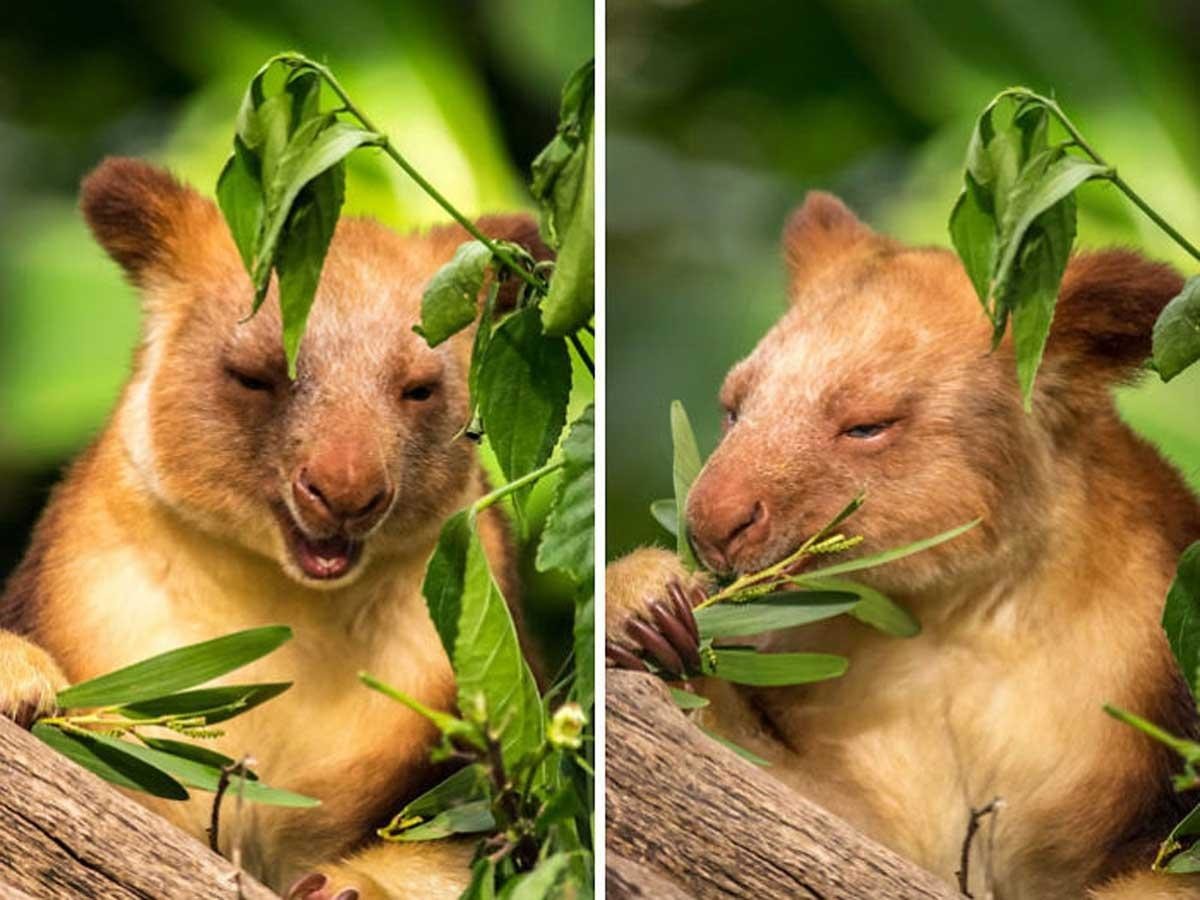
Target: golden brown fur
[171,528]
[1031,621]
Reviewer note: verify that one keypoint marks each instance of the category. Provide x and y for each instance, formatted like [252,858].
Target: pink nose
[339,488]
[726,524]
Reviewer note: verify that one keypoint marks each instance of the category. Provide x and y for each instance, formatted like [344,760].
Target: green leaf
[451,299]
[536,885]
[1032,290]
[483,881]
[585,652]
[443,585]
[688,700]
[887,556]
[567,541]
[467,785]
[449,725]
[873,608]
[175,670]
[772,612]
[737,748]
[467,818]
[301,255]
[775,669]
[1181,616]
[1177,332]
[214,704]
[488,662]
[666,514]
[524,383]
[195,752]
[570,300]
[973,232]
[115,766]
[240,197]
[563,184]
[685,466]
[198,774]
[1188,861]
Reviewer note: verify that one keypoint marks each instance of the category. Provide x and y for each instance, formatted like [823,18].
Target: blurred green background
[469,91]
[721,115]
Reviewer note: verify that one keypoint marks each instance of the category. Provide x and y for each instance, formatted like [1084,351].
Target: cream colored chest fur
[920,731]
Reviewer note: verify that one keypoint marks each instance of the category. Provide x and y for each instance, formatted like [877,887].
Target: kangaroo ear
[1107,307]
[821,232]
[142,216]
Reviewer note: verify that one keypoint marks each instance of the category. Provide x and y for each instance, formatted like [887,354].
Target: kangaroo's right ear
[822,231]
[144,218]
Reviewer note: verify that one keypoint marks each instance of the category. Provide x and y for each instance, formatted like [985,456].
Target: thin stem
[389,148]
[1112,176]
[583,354]
[501,492]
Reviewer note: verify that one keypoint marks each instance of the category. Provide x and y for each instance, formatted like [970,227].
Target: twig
[214,822]
[972,827]
[583,354]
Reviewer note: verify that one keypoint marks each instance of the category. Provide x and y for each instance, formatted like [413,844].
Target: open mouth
[322,559]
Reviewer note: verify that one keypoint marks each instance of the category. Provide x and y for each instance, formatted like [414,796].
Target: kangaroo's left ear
[1107,306]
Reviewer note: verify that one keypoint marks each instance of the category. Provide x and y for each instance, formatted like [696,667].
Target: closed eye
[867,430]
[248,381]
[419,393]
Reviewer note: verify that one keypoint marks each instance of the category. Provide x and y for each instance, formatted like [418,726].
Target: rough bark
[64,833]
[713,825]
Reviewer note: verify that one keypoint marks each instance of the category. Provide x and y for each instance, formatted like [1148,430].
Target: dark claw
[683,609]
[622,658]
[677,633]
[656,645]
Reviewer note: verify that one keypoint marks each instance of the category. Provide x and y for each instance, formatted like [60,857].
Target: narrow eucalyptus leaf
[776,669]
[873,608]
[666,515]
[175,670]
[1177,332]
[737,748]
[685,466]
[688,700]
[196,773]
[772,612]
[115,766]
[214,704]
[887,556]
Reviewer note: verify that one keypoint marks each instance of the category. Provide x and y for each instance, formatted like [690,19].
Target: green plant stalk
[1186,749]
[300,61]
[763,577]
[1112,175]
[501,492]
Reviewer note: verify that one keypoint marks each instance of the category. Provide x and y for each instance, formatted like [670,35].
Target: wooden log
[684,807]
[64,833]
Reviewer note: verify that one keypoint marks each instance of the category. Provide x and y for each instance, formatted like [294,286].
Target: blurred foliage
[468,90]
[721,116]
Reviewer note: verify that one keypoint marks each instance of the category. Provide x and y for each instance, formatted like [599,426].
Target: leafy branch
[1013,226]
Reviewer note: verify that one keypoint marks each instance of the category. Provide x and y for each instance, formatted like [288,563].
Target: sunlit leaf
[772,612]
[775,669]
[666,514]
[214,704]
[450,301]
[873,608]
[688,700]
[886,556]
[175,670]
